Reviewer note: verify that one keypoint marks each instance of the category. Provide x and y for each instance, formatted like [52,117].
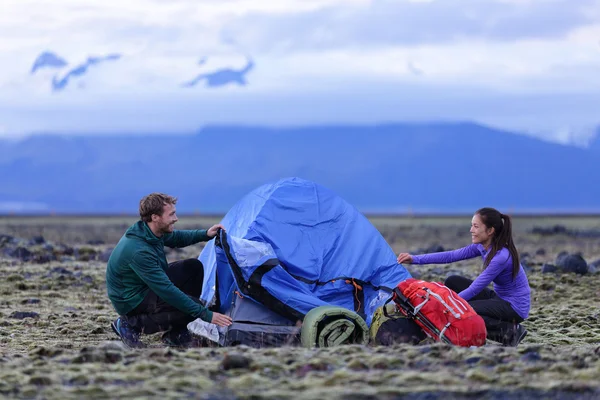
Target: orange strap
[357,287]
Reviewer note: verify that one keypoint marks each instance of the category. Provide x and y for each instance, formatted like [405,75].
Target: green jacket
[138,264]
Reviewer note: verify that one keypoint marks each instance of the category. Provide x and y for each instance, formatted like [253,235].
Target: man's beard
[166,228]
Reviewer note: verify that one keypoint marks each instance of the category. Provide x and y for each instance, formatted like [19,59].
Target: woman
[508,304]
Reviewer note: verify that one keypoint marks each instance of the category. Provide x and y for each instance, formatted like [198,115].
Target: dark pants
[153,314]
[499,316]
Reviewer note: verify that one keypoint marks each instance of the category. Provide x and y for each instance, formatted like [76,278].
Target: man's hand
[212,231]
[220,319]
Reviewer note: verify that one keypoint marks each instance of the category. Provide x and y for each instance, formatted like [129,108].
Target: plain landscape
[56,341]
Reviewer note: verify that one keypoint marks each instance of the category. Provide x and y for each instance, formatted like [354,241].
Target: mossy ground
[69,350]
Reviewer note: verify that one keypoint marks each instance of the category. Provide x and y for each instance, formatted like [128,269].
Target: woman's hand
[404,258]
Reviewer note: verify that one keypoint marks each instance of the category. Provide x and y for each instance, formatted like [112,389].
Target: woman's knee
[454,281]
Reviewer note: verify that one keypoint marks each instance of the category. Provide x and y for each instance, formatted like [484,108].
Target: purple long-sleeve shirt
[516,292]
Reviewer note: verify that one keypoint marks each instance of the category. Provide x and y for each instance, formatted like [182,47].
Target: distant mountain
[437,167]
[595,143]
[59,84]
[62,77]
[222,77]
[48,59]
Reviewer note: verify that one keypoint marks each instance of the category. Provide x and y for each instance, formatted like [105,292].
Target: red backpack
[440,312]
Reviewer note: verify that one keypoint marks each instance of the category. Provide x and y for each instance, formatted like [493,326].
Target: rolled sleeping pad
[328,326]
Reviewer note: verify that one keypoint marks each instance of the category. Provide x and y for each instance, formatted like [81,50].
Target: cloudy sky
[527,65]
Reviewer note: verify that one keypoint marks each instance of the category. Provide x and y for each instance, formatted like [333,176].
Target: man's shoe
[519,335]
[127,333]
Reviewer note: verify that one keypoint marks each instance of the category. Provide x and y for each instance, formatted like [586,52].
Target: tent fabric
[294,245]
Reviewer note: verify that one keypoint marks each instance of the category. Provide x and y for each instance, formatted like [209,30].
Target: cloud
[316,61]
[383,23]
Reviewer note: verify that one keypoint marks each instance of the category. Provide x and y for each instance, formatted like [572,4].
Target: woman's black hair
[502,225]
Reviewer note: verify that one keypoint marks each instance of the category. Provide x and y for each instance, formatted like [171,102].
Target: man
[149,294]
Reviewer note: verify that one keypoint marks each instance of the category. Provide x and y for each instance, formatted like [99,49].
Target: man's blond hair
[153,204]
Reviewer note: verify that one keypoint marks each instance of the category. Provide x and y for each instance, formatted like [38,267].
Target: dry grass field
[56,341]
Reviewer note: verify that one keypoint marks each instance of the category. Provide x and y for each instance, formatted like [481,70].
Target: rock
[549,268]
[531,356]
[114,345]
[46,351]
[235,361]
[64,250]
[40,380]
[105,255]
[414,272]
[24,314]
[22,253]
[6,239]
[61,271]
[95,242]
[473,360]
[434,248]
[37,240]
[102,355]
[30,301]
[572,263]
[594,267]
[541,251]
[43,258]
[555,230]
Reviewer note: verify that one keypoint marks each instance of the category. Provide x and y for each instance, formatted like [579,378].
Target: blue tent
[292,246]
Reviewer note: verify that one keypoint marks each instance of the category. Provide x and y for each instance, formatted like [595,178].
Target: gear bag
[443,315]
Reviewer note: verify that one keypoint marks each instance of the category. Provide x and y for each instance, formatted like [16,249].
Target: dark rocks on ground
[102,355]
[235,361]
[24,314]
[30,301]
[43,352]
[95,242]
[553,230]
[414,272]
[540,252]
[562,230]
[64,249]
[60,271]
[572,263]
[566,262]
[531,356]
[594,267]
[40,380]
[6,239]
[434,248]
[39,251]
[549,268]
[19,252]
[44,258]
[37,240]
[105,255]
